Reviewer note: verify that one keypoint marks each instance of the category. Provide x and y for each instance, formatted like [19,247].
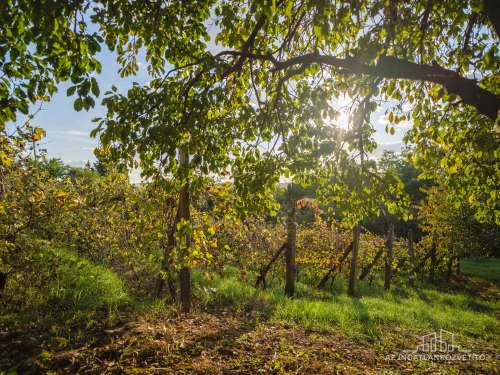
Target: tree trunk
[432,270]
[184,214]
[449,269]
[166,265]
[388,258]
[291,247]
[458,266]
[354,260]
[411,255]
[3,282]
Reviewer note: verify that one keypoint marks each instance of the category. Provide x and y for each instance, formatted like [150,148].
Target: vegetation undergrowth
[366,317]
[77,290]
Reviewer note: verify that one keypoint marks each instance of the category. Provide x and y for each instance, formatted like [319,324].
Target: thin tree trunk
[291,247]
[388,258]
[168,246]
[354,260]
[184,214]
[411,254]
[3,282]
[458,266]
[166,265]
[432,270]
[3,275]
[449,269]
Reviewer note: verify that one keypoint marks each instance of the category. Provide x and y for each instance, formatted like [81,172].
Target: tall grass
[418,310]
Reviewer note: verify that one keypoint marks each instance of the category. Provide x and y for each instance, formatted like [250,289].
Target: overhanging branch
[485,102]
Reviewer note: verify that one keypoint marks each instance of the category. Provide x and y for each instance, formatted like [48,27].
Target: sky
[68,132]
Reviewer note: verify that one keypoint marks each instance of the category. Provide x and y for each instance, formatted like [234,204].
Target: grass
[83,284]
[77,290]
[79,286]
[486,268]
[423,309]
[234,322]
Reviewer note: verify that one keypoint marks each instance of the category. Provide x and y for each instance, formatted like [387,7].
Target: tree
[400,165]
[442,58]
[277,67]
[357,191]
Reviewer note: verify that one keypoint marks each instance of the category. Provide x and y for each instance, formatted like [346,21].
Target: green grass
[75,290]
[82,284]
[421,310]
[486,268]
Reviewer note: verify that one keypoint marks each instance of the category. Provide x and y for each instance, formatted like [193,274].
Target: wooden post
[184,200]
[291,245]
[354,260]
[388,258]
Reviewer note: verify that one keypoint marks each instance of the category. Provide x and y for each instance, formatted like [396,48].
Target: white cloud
[71,132]
[381,147]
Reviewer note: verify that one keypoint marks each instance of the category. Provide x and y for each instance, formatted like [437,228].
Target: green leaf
[71,90]
[78,104]
[94,87]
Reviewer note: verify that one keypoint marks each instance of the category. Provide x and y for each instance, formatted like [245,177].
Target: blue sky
[68,131]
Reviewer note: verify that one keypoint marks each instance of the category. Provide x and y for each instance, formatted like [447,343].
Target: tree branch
[491,9]
[486,102]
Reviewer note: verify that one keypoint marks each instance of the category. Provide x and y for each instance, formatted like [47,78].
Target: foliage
[229,113]
[101,218]
[54,277]
[359,193]
[468,165]
[423,55]
[41,44]
[453,226]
